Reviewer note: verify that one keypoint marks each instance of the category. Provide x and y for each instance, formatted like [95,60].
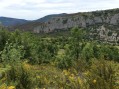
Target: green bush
[19,77]
[12,52]
[103,75]
[25,81]
[64,62]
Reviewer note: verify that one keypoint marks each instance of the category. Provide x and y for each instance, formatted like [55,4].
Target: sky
[35,9]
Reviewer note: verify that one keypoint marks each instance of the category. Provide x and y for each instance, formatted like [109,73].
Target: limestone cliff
[86,19]
[101,25]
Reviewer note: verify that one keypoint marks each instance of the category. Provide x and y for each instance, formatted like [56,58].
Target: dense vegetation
[29,61]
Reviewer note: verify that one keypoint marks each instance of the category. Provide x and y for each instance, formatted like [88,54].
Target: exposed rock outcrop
[110,17]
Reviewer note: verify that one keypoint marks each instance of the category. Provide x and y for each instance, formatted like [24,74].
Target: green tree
[12,52]
[76,41]
[4,36]
[87,52]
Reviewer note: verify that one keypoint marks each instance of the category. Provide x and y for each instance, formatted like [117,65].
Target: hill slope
[6,21]
[29,25]
[101,25]
[48,17]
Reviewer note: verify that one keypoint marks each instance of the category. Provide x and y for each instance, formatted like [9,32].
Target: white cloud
[33,9]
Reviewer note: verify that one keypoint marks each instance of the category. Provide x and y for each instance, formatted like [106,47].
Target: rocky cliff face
[104,33]
[103,25]
[110,17]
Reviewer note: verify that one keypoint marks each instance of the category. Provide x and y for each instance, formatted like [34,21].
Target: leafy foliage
[29,61]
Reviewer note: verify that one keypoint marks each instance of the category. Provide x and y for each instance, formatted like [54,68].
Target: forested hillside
[30,61]
[6,21]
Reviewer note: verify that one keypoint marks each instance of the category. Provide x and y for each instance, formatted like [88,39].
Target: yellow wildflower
[79,80]
[27,66]
[3,86]
[94,81]
[65,72]
[71,78]
[72,75]
[86,73]
[11,87]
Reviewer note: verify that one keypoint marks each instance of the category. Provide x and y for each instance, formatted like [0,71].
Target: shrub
[103,75]
[12,52]
[19,76]
[25,81]
[64,62]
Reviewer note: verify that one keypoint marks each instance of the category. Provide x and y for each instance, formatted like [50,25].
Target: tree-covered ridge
[29,61]
[7,21]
